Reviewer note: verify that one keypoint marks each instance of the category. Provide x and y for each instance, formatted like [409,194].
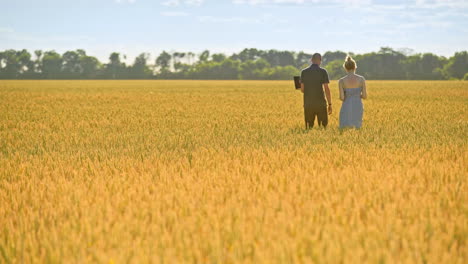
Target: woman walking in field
[352,90]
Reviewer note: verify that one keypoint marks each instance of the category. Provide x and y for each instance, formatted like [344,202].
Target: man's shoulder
[305,72]
[312,69]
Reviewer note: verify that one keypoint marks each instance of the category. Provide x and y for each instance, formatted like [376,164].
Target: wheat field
[223,172]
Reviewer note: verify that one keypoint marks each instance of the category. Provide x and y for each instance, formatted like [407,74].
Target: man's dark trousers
[310,112]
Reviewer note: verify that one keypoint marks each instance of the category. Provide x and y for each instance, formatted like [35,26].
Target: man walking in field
[314,80]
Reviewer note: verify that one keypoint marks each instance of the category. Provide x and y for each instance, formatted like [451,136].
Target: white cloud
[299,2]
[173,3]
[256,2]
[174,14]
[35,39]
[238,19]
[125,1]
[440,3]
[402,15]
[425,24]
[194,2]
[415,3]
[260,19]
[6,30]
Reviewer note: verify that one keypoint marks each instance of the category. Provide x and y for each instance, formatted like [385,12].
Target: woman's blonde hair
[349,63]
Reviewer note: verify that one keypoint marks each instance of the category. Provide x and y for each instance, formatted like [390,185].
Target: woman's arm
[364,89]
[341,89]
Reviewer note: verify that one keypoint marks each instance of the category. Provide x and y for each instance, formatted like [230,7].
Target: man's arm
[302,81]
[328,95]
[364,89]
[325,82]
[341,89]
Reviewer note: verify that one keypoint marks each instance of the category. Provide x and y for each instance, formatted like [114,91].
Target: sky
[135,26]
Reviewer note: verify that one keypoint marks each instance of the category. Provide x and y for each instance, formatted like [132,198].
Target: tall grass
[223,172]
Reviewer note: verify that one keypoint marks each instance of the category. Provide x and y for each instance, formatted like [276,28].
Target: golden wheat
[223,172]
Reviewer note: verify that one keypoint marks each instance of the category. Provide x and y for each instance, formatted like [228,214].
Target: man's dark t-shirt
[313,78]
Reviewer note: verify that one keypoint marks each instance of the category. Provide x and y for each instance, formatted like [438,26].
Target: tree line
[249,64]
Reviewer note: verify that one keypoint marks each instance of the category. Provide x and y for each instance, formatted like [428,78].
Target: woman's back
[352,81]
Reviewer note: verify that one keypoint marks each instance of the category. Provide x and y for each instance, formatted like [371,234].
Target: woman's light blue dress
[352,109]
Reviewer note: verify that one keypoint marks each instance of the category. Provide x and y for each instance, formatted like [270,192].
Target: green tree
[163,61]
[279,58]
[335,69]
[385,64]
[457,66]
[71,68]
[248,54]
[254,69]
[38,62]
[177,59]
[229,70]
[218,57]
[423,67]
[204,56]
[26,65]
[115,69]
[2,60]
[11,65]
[226,70]
[52,65]
[140,69]
[303,59]
[190,57]
[90,67]
[330,56]
[281,72]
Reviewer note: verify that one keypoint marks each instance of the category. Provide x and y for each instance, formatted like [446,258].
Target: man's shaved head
[316,58]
